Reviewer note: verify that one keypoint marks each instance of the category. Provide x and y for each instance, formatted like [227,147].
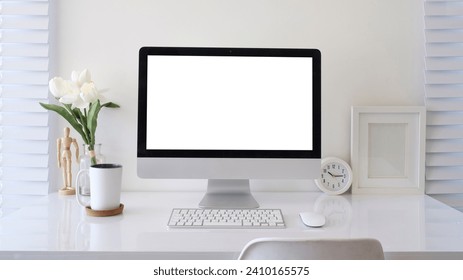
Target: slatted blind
[24,78]
[444,96]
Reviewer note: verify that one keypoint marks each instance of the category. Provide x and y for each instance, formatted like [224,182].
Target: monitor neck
[232,193]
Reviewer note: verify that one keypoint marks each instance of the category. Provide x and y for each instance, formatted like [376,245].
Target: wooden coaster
[104,213]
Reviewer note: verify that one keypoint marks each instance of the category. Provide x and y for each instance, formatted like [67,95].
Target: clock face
[335,177]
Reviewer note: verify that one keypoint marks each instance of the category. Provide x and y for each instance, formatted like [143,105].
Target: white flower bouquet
[81,104]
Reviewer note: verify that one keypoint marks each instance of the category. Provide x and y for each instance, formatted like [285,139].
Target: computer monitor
[229,115]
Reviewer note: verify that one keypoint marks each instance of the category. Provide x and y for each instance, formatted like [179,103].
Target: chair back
[312,249]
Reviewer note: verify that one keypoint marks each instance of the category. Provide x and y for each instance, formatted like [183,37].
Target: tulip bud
[88,92]
[75,77]
[84,77]
[57,87]
[80,78]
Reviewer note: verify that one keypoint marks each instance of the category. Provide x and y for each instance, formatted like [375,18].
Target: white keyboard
[226,218]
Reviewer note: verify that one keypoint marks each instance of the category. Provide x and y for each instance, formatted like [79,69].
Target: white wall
[372,55]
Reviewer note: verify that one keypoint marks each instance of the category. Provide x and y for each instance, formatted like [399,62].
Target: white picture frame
[388,149]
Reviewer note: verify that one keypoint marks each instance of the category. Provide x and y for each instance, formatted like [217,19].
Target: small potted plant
[81,103]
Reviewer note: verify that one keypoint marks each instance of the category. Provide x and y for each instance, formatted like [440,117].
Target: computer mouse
[312,219]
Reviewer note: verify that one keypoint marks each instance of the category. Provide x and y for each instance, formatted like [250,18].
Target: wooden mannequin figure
[65,161]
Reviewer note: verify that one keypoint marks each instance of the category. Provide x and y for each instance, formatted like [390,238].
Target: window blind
[24,76]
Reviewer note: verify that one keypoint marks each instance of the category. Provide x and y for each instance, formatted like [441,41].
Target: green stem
[92,154]
[82,119]
[77,118]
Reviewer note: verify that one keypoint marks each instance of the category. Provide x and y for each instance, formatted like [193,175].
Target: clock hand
[335,176]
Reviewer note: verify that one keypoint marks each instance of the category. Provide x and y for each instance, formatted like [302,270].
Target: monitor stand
[228,194]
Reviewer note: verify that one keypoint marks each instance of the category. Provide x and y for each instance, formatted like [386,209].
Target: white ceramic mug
[105,186]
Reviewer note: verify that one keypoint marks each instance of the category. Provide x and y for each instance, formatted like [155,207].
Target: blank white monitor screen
[229,103]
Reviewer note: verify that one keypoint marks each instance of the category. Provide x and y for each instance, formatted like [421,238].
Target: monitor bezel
[143,152]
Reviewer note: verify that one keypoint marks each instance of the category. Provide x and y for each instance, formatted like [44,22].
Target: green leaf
[110,105]
[66,115]
[92,119]
[83,122]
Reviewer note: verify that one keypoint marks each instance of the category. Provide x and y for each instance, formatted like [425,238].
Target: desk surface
[53,226]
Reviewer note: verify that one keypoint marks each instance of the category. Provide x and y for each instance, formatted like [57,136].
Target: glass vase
[86,161]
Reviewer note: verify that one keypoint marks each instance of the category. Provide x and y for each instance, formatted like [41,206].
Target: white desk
[53,227]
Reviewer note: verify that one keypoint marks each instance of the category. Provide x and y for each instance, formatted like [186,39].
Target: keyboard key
[221,223]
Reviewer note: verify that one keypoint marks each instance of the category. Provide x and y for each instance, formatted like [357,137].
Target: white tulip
[75,100]
[81,78]
[88,92]
[69,98]
[80,103]
[85,77]
[75,76]
[72,95]
[58,87]
[65,90]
